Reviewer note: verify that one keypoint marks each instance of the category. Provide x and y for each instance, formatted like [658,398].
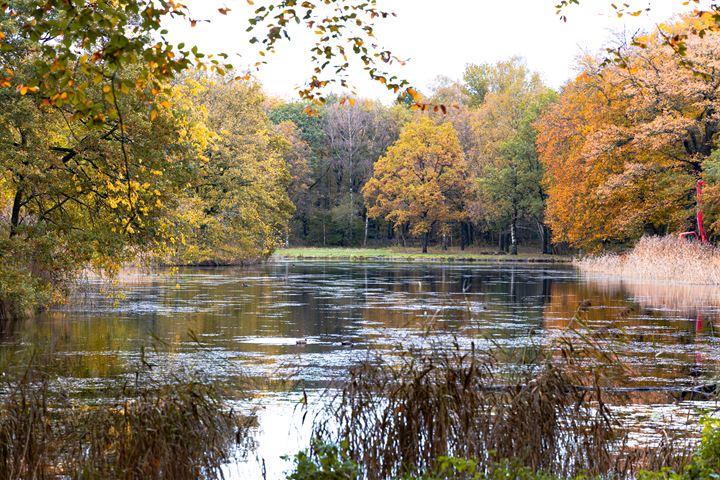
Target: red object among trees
[700,234]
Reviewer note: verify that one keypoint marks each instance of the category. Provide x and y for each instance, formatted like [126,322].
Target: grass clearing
[409,254]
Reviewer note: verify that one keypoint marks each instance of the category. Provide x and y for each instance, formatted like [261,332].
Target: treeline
[218,173]
[498,159]
[487,130]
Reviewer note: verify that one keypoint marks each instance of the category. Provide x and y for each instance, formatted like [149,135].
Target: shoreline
[391,255]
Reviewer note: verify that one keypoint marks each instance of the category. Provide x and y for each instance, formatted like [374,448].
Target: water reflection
[248,322]
[253,318]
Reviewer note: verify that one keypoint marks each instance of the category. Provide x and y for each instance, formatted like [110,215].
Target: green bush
[326,461]
[323,461]
[452,468]
[705,464]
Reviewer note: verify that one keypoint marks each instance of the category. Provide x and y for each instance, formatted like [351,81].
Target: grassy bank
[409,254]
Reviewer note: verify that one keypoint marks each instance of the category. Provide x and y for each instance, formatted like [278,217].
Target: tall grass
[399,419]
[661,258]
[179,431]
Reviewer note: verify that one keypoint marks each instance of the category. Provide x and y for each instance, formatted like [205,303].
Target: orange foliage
[626,142]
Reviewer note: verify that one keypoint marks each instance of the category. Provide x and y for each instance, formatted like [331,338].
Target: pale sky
[438,37]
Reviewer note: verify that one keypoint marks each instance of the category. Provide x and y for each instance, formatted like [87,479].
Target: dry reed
[179,431]
[400,419]
[661,259]
[551,414]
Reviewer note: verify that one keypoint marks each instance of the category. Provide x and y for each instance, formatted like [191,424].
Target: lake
[289,327]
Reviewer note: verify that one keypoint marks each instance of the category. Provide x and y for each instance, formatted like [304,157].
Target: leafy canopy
[422,179]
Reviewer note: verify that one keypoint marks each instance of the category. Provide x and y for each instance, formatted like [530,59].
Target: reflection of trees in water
[683,298]
[631,304]
[472,300]
[650,326]
[8,329]
[566,297]
[361,303]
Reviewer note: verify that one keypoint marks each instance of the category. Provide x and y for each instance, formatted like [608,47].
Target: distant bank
[408,254]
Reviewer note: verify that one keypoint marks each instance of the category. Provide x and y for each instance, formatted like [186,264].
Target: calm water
[240,325]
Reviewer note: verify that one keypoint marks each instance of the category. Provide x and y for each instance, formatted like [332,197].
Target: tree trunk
[463,236]
[351,214]
[426,238]
[15,215]
[366,229]
[513,237]
[545,238]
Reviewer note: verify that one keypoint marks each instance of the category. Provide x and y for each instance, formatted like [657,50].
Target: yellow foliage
[421,182]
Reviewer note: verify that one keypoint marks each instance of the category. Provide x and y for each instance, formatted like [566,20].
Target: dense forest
[614,155]
[485,190]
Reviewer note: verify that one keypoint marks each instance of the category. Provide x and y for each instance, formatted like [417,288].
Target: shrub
[451,468]
[324,461]
[705,464]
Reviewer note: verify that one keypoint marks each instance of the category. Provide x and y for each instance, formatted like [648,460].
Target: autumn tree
[504,159]
[347,129]
[626,143]
[501,77]
[454,94]
[235,207]
[76,195]
[343,139]
[421,180]
[297,153]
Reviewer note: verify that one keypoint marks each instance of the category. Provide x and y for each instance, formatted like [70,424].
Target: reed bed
[400,421]
[402,418]
[661,259]
[179,431]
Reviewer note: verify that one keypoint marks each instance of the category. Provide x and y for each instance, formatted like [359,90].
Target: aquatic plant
[400,419]
[400,416]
